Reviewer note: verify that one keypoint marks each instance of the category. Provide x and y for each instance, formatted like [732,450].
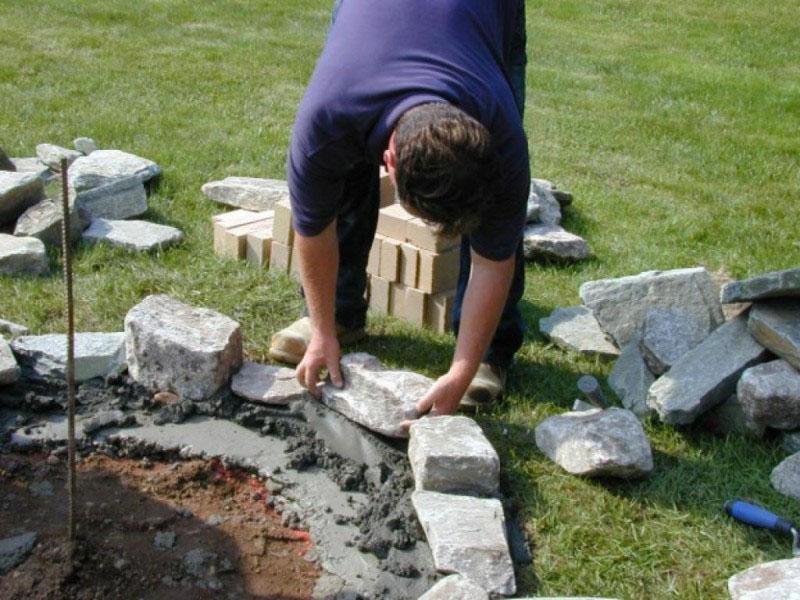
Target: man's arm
[484,299]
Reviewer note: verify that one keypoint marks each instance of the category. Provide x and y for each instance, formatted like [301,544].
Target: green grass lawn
[676,124]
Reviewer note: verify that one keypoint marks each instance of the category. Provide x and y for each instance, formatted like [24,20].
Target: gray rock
[776,580]
[791,441]
[18,192]
[543,208]
[138,236]
[5,162]
[84,145]
[730,418]
[106,418]
[576,329]
[117,199]
[467,536]
[9,370]
[553,242]
[451,454]
[631,379]
[43,221]
[267,384]
[200,563]
[770,394]
[41,488]
[378,398]
[164,540]
[620,305]
[107,166]
[455,587]
[776,326]
[250,193]
[668,334]
[786,477]
[33,165]
[778,284]
[45,356]
[597,443]
[15,549]
[581,405]
[13,329]
[51,155]
[706,375]
[22,255]
[172,346]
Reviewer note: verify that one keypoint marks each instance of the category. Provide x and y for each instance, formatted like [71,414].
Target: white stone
[31,164]
[250,193]
[776,580]
[13,329]
[51,155]
[22,255]
[267,384]
[576,329]
[543,208]
[171,346]
[770,394]
[9,370]
[776,325]
[119,199]
[18,192]
[779,284]
[455,587]
[631,379]
[597,443]
[467,536]
[786,477]
[85,145]
[378,398]
[553,242]
[139,236]
[44,222]
[580,405]
[45,356]
[668,334]
[451,454]
[106,166]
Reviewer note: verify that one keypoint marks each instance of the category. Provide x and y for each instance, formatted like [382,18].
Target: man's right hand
[323,352]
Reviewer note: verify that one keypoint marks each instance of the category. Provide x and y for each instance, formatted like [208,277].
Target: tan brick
[414,307]
[232,243]
[390,259]
[282,230]
[236,218]
[439,311]
[423,236]
[258,243]
[280,257]
[397,300]
[379,294]
[438,271]
[374,261]
[409,265]
[392,222]
[387,189]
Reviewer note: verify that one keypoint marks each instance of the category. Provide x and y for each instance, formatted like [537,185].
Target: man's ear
[390,158]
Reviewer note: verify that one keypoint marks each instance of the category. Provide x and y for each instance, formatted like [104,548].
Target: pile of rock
[544,238]
[105,187]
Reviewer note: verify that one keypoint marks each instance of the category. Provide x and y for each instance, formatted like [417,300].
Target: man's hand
[322,353]
[444,396]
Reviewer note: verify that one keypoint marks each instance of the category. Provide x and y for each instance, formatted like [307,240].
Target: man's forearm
[319,264]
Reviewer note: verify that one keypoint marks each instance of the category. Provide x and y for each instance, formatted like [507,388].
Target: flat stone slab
[267,384]
[138,236]
[778,284]
[455,587]
[553,242]
[776,580]
[467,536]
[631,379]
[172,346]
[43,222]
[45,356]
[9,369]
[451,454]
[14,550]
[378,398]
[543,207]
[597,443]
[250,193]
[22,256]
[668,334]
[576,329]
[770,394]
[707,374]
[51,155]
[13,329]
[18,192]
[107,166]
[785,478]
[117,199]
[776,326]
[620,305]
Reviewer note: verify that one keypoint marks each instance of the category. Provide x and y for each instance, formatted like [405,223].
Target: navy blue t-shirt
[383,58]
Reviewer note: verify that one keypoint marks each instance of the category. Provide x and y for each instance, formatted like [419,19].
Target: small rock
[215,520]
[249,193]
[45,356]
[22,255]
[786,477]
[791,441]
[730,418]
[117,199]
[5,162]
[84,145]
[107,166]
[41,488]
[18,192]
[9,370]
[201,563]
[581,405]
[139,236]
[543,207]
[776,326]
[576,329]
[776,580]
[13,329]
[165,398]
[43,221]
[107,418]
[267,384]
[15,549]
[121,564]
[553,242]
[668,334]
[164,540]
[779,284]
[51,155]
[455,587]
[770,394]
[631,379]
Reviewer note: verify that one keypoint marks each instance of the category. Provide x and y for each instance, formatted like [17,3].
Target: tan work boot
[487,387]
[290,343]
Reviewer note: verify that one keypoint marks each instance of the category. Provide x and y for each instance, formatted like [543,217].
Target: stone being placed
[14,550]
[12,329]
[668,334]
[620,305]
[467,536]
[770,394]
[597,443]
[51,155]
[707,374]
[107,166]
[119,199]
[631,379]
[9,370]
[18,192]
[576,329]
[378,398]
[730,418]
[267,384]
[43,221]
[171,346]
[85,145]
[250,193]
[455,587]
[138,236]
[45,356]
[776,325]
[22,256]
[786,477]
[451,454]
[543,208]
[779,284]
[776,580]
[553,242]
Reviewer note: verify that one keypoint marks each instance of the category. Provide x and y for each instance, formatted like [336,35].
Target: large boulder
[785,478]
[250,193]
[776,325]
[707,374]
[778,284]
[137,236]
[776,580]
[43,221]
[620,305]
[18,192]
[119,199]
[631,379]
[575,328]
[171,346]
[107,166]
[770,394]
[597,443]
[51,155]
[44,357]
[22,256]
[267,384]
[553,242]
[668,334]
[9,370]
[378,398]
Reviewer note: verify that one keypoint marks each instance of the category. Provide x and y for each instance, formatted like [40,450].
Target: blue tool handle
[757,516]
